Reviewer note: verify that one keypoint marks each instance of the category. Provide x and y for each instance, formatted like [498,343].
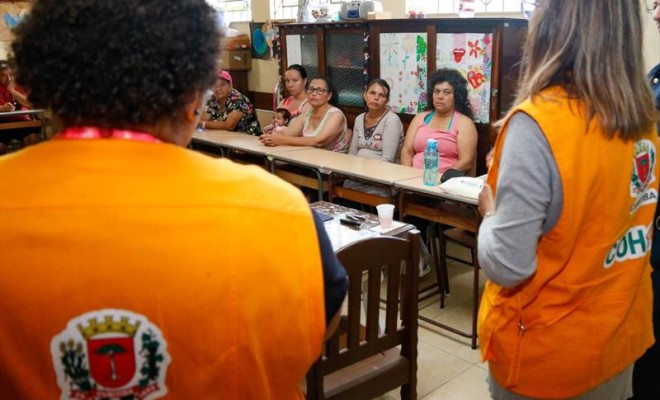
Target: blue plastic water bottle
[431,160]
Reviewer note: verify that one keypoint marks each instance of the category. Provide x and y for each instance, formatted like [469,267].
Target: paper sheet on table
[464,186]
[342,235]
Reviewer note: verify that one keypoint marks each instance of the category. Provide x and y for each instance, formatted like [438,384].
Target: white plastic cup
[385,215]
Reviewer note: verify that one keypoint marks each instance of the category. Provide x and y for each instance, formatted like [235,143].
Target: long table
[227,141]
[325,163]
[38,120]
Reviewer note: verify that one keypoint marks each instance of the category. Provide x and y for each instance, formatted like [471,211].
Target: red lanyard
[97,133]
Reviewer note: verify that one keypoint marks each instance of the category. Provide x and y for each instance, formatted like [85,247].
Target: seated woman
[295,80]
[377,134]
[13,98]
[449,121]
[228,109]
[324,125]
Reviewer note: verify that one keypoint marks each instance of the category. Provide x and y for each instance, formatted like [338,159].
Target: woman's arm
[335,282]
[229,124]
[295,128]
[332,127]
[18,96]
[408,149]
[392,131]
[467,145]
[528,204]
[358,128]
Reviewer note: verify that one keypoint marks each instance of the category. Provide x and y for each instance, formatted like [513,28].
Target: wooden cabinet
[405,52]
[336,51]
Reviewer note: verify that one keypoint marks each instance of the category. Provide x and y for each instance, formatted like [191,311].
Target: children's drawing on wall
[264,40]
[403,64]
[471,54]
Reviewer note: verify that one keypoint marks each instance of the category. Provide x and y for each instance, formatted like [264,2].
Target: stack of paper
[464,186]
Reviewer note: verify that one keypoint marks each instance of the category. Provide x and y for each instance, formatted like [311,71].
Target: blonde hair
[593,49]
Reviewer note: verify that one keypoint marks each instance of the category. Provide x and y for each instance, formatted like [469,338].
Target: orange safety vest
[147,269]
[585,315]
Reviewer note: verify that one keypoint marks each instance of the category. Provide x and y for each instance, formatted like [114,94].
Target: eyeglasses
[312,90]
[445,92]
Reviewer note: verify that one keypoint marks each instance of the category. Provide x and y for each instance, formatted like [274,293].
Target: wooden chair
[366,362]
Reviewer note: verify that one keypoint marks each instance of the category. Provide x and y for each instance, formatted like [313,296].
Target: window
[451,6]
[233,10]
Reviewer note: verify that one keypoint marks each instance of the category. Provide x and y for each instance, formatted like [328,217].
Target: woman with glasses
[565,236]
[324,125]
[448,120]
[229,109]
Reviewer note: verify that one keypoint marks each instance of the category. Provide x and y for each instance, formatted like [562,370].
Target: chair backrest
[361,362]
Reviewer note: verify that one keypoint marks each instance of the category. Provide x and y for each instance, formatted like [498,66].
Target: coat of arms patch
[643,174]
[110,354]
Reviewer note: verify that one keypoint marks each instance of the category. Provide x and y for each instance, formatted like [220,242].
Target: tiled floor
[448,368]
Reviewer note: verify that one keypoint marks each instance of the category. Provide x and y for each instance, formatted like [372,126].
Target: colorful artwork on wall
[471,54]
[12,13]
[403,64]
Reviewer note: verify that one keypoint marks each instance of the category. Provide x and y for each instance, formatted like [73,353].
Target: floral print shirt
[235,101]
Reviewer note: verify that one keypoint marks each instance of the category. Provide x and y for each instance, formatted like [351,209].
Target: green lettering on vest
[622,248]
[640,241]
[611,256]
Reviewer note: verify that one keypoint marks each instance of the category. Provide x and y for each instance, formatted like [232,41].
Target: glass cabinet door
[345,65]
[303,49]
[310,55]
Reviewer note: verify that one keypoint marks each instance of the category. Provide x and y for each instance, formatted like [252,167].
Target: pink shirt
[295,112]
[447,142]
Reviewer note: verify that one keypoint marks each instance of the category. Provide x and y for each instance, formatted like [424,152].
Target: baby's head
[281,117]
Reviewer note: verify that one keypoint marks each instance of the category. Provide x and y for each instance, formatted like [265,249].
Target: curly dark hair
[116,63]
[458,82]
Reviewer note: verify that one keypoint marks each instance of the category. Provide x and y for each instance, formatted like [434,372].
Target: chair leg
[408,392]
[436,259]
[443,272]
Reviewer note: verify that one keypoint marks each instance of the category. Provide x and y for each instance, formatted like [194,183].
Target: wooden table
[434,204]
[39,122]
[324,163]
[234,144]
[341,235]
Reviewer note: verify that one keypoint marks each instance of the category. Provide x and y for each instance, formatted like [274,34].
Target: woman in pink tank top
[295,81]
[449,121]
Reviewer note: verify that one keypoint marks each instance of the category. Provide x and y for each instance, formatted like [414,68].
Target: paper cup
[385,215]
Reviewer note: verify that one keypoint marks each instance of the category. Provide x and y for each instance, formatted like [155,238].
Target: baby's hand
[268,128]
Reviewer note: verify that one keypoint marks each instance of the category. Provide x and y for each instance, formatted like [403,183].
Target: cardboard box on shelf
[379,15]
[235,59]
[235,53]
